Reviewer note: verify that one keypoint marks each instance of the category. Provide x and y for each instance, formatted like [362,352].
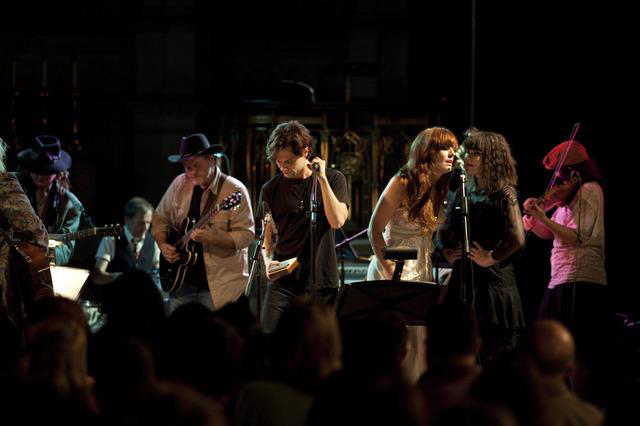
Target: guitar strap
[213,198]
[12,237]
[8,236]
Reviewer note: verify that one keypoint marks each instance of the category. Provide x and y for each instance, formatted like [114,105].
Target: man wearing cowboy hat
[220,273]
[44,176]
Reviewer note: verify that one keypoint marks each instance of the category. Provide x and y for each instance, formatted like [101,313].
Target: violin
[560,193]
[556,193]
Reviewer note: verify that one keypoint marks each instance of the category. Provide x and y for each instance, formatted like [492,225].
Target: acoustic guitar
[172,275]
[56,240]
[30,273]
[103,231]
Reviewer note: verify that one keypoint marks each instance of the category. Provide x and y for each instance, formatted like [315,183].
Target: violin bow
[574,131]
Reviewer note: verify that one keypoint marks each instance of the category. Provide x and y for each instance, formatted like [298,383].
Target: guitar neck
[202,222]
[89,232]
[74,235]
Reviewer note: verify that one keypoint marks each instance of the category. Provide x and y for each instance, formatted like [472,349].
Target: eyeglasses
[473,153]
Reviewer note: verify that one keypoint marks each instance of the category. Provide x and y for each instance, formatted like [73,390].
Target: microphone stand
[313,216]
[254,265]
[465,243]
[83,212]
[341,245]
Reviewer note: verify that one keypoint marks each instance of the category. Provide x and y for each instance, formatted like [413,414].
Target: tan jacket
[227,269]
[16,215]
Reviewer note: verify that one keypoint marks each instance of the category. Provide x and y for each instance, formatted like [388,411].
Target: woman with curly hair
[408,209]
[496,235]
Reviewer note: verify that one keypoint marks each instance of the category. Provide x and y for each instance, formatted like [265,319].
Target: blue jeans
[190,294]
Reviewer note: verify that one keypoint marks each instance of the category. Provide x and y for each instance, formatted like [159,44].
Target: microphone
[456,172]
[267,217]
[313,200]
[458,164]
[266,213]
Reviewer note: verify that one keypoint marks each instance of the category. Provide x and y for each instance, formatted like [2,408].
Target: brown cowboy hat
[46,157]
[576,155]
[193,145]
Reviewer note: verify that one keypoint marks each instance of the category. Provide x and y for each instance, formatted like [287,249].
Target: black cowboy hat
[196,144]
[46,157]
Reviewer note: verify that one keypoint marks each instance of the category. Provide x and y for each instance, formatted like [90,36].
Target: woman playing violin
[576,293]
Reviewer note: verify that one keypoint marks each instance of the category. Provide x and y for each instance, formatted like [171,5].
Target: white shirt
[584,260]
[107,248]
[227,269]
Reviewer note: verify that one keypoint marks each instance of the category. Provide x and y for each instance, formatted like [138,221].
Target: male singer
[288,198]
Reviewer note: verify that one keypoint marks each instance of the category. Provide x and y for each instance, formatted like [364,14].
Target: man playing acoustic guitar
[287,197]
[211,267]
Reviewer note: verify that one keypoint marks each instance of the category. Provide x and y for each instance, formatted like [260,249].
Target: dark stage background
[121,81]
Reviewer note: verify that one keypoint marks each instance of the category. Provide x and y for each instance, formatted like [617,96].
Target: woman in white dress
[407,215]
[407,212]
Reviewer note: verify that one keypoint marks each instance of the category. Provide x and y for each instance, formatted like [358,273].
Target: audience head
[202,350]
[473,413]
[374,347]
[56,356]
[452,334]
[512,379]
[552,347]
[133,305]
[306,343]
[58,306]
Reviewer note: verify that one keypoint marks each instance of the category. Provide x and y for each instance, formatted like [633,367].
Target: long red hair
[419,176]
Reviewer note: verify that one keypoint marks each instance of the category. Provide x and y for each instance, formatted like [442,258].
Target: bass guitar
[172,274]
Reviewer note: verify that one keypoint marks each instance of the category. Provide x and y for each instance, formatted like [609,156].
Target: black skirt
[585,308]
[494,295]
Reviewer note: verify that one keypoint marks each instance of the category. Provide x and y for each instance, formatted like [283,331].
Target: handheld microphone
[315,167]
[267,217]
[266,213]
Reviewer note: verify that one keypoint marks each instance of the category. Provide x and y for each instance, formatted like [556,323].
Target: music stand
[67,281]
[399,254]
[411,300]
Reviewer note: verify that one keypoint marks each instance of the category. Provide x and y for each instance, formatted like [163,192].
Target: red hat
[577,154]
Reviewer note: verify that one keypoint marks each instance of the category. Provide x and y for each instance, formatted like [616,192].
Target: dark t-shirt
[289,203]
[197,274]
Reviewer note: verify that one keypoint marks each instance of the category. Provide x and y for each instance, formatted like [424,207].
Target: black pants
[280,294]
[586,310]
